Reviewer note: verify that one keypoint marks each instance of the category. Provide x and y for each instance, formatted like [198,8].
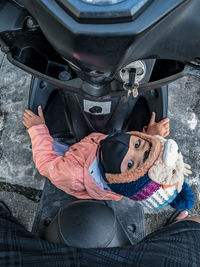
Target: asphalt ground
[21,185]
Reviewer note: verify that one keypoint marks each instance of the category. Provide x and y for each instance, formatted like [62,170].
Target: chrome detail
[140,67]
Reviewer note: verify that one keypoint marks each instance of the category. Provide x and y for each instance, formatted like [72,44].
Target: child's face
[137,154]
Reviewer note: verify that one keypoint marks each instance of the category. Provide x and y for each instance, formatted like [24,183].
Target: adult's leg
[175,245]
[18,247]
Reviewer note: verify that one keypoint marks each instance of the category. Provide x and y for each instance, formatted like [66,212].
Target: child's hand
[157,128]
[30,119]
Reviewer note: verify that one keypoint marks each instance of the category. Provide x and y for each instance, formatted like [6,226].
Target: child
[142,166]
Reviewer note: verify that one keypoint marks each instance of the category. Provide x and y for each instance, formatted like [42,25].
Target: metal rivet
[30,23]
[154,93]
[42,85]
[123,70]
[64,76]
[5,49]
[140,71]
[131,228]
[47,221]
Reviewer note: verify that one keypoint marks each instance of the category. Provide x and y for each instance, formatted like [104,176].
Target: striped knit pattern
[132,188]
[160,198]
[150,194]
[146,191]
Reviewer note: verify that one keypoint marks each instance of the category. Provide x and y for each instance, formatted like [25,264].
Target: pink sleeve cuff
[38,130]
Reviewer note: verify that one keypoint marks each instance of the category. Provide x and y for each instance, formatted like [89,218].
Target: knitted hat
[113,151]
[158,181]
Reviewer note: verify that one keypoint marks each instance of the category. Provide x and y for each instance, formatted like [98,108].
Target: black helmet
[86,224]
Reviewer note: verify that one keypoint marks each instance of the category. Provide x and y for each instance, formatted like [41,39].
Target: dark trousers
[175,245]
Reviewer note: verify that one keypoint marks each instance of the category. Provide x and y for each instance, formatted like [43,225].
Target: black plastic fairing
[102,47]
[165,30]
[130,215]
[12,16]
[102,50]
[73,116]
[82,12]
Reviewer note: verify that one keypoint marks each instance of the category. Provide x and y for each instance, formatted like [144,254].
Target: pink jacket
[76,171]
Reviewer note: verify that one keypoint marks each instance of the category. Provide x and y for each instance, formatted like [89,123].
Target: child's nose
[140,158]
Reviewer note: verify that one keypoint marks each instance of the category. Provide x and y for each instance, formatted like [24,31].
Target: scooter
[99,66]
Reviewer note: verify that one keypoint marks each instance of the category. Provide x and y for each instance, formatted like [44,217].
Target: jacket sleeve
[65,172]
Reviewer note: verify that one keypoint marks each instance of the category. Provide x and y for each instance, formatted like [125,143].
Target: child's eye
[137,144]
[130,164]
